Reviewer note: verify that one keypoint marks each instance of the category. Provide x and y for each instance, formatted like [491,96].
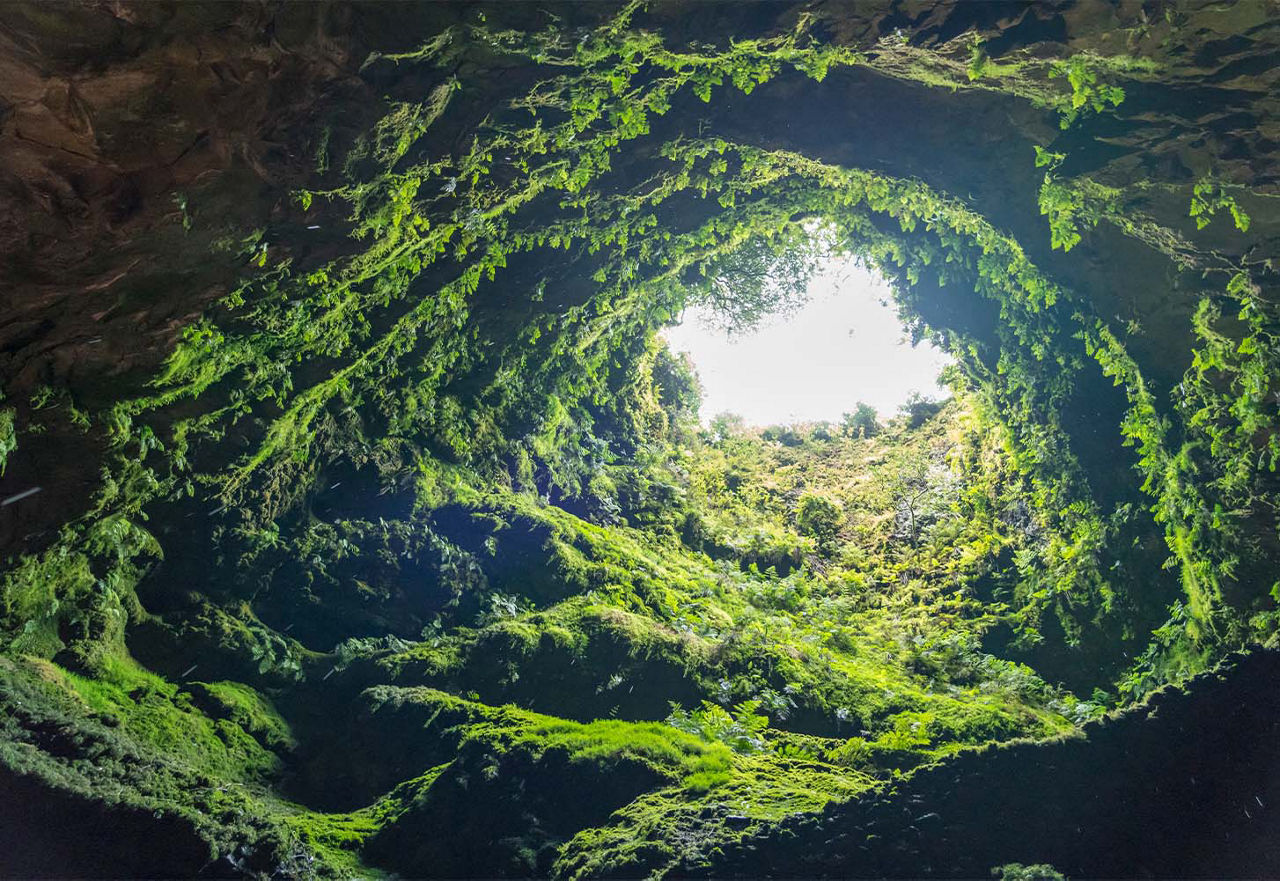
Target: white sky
[844,346]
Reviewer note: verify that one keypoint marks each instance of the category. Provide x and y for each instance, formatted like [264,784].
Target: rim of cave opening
[354,513]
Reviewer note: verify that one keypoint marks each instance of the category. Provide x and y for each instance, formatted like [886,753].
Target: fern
[743,730]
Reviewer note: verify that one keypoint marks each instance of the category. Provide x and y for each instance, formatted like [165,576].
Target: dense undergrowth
[416,559]
[706,663]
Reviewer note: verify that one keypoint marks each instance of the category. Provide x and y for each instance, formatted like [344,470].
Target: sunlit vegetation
[451,542]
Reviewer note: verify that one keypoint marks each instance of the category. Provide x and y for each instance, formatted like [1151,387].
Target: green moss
[159,714]
[537,553]
[130,741]
[8,436]
[656,831]
[35,591]
[243,706]
[334,840]
[512,765]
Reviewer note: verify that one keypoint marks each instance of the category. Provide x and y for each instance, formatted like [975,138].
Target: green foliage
[1088,92]
[77,600]
[978,59]
[567,377]
[1046,158]
[918,409]
[1204,488]
[529,516]
[656,832]
[819,516]
[1072,207]
[8,436]
[1208,197]
[762,278]
[244,706]
[129,740]
[862,422]
[742,730]
[605,743]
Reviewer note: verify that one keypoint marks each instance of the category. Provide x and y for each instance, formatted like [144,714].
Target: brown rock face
[123,123]
[141,141]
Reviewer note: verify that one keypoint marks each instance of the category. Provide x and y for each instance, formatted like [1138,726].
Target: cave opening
[840,345]
[381,528]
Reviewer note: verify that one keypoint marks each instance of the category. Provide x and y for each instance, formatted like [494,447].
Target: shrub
[919,409]
[862,422]
[819,516]
[742,731]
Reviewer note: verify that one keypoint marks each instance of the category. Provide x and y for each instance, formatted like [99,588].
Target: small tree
[766,276]
[726,425]
[925,491]
[862,422]
[911,487]
[918,409]
[783,434]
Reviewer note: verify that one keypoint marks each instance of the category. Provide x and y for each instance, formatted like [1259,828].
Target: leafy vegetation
[8,436]
[453,544]
[1089,93]
[1208,197]
[862,422]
